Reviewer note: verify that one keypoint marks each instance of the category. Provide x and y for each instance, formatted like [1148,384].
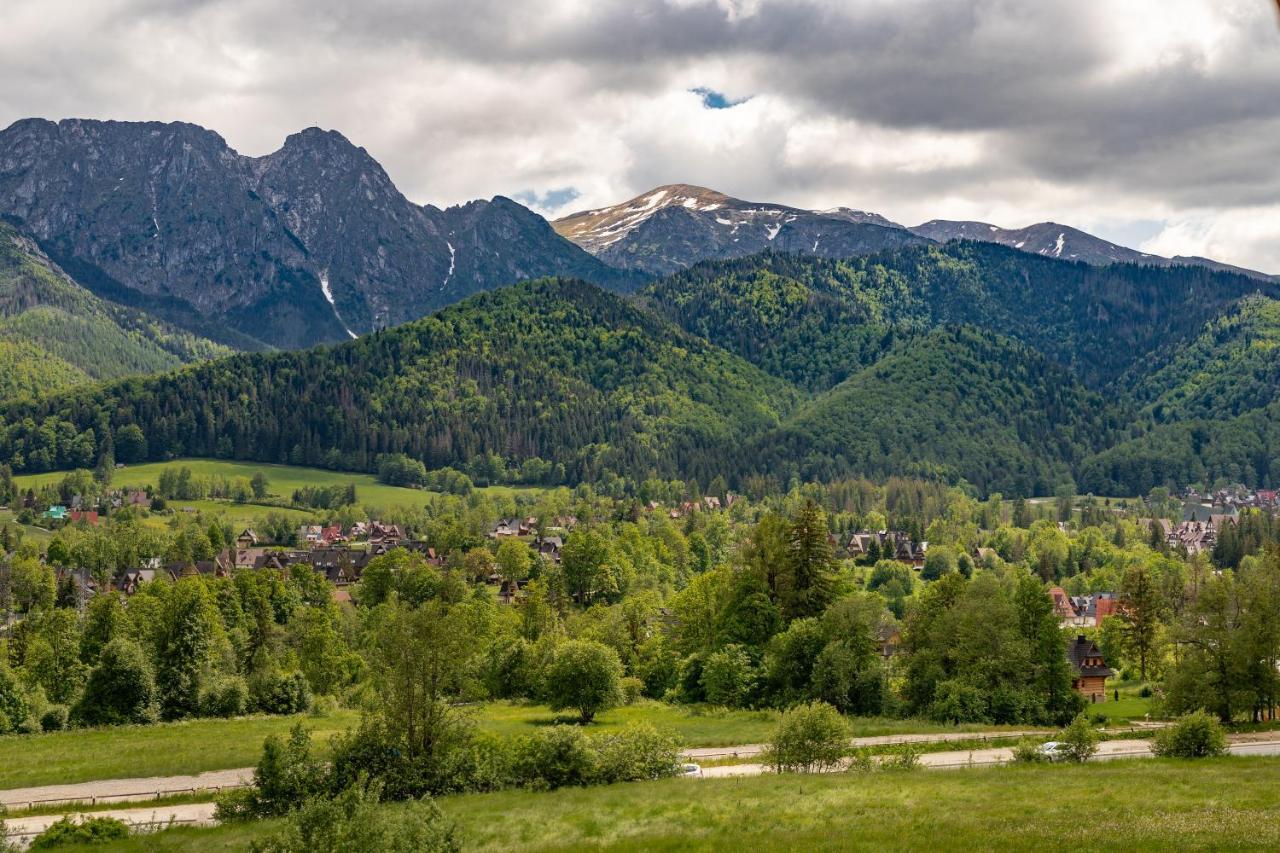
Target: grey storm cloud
[1157,110]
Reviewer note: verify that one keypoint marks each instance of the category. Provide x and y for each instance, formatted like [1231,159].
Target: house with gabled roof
[1090,670]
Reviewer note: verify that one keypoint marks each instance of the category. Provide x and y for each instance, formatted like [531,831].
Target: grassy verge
[167,749]
[88,807]
[1120,805]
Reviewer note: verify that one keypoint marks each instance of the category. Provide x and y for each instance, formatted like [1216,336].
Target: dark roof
[1082,649]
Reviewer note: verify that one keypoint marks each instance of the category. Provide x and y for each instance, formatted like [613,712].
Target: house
[247,538]
[136,497]
[55,513]
[509,592]
[89,517]
[332,534]
[310,534]
[1062,605]
[389,534]
[548,546]
[505,528]
[1091,671]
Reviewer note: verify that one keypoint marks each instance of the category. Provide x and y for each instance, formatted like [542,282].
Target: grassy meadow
[1227,803]
[194,746]
[282,480]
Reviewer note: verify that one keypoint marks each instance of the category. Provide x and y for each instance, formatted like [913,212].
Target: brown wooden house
[1091,671]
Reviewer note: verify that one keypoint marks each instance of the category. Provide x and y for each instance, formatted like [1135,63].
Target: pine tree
[809,583]
[1139,613]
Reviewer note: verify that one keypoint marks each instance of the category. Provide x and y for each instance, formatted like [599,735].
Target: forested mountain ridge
[55,334]
[306,245]
[552,370]
[967,361]
[1097,322]
[955,403]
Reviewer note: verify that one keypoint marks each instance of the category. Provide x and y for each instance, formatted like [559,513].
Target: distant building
[1091,671]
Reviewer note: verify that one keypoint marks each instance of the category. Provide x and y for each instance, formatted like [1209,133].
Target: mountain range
[683,333]
[968,362]
[314,243]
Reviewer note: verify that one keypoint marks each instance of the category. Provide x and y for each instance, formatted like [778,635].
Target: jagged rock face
[673,227]
[310,244]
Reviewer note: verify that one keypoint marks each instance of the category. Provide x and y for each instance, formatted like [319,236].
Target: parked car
[1054,751]
[690,770]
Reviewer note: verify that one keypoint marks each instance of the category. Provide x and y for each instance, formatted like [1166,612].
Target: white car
[1054,751]
[690,770]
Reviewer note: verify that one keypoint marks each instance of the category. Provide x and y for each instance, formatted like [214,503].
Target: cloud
[1097,113]
[549,200]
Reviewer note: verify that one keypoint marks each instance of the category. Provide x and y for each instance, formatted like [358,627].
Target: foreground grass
[167,749]
[1228,803]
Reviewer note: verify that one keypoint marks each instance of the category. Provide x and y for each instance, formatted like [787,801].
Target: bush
[556,757]
[632,689]
[354,821]
[13,704]
[286,775]
[1027,751]
[1144,692]
[955,702]
[274,692]
[728,678]
[584,675]
[225,696]
[809,738]
[637,753]
[1079,739]
[324,706]
[54,718]
[1197,735]
[83,830]
[121,688]
[905,758]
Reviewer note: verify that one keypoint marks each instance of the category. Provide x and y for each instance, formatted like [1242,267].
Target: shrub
[13,704]
[556,757]
[809,738]
[354,821]
[1197,735]
[54,718]
[225,696]
[637,753]
[324,706]
[286,775]
[121,688]
[1027,751]
[632,688]
[1144,691]
[728,677]
[905,758]
[274,692]
[83,830]
[1080,739]
[584,675]
[955,702]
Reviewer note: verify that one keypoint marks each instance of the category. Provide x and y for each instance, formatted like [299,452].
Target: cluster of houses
[1231,500]
[889,545]
[83,509]
[1194,535]
[1082,611]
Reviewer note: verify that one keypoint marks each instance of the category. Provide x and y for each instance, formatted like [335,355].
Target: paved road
[23,829]
[119,790]
[1107,750]
[747,750]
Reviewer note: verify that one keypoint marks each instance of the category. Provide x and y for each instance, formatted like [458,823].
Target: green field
[282,479]
[195,746]
[166,749]
[1214,804]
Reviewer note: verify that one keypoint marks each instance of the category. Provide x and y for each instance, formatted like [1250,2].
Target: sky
[1155,123]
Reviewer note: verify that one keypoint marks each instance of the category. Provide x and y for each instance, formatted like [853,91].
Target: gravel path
[145,788]
[23,829]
